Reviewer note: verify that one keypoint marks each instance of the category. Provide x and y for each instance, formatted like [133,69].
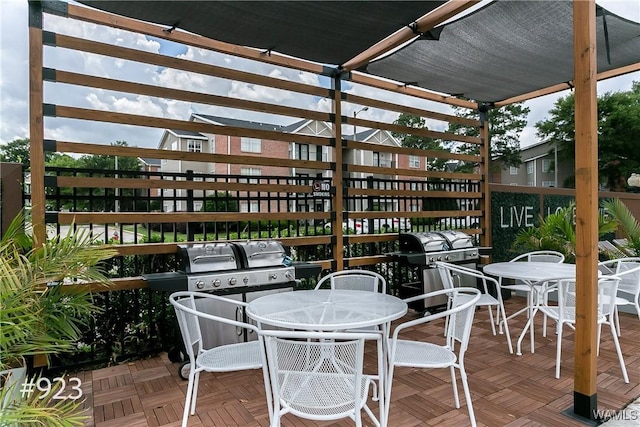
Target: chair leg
[493,326]
[506,328]
[558,348]
[187,402]
[467,396]
[617,314]
[454,384]
[194,394]
[625,376]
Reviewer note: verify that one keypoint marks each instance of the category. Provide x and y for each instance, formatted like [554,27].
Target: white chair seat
[321,395]
[517,288]
[231,357]
[423,355]
[487,299]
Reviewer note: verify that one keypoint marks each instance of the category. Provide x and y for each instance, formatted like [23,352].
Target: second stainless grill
[420,251]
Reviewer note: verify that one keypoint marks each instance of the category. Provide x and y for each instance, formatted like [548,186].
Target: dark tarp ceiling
[507,48]
[329,32]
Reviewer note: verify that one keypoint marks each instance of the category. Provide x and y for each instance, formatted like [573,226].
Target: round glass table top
[326,309]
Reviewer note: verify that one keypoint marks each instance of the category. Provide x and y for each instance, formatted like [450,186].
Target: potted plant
[43,308]
[627,224]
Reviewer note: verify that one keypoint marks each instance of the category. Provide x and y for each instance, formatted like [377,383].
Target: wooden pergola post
[586,154]
[338,254]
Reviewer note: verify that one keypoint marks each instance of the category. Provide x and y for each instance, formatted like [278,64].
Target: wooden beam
[36,126]
[485,202]
[423,24]
[338,177]
[586,155]
[564,86]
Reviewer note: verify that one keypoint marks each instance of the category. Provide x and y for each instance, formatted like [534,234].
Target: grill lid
[263,253]
[457,239]
[423,242]
[202,258]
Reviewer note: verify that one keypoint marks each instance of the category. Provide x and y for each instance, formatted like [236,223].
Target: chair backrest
[191,318]
[540,256]
[627,269]
[355,280]
[460,314]
[317,375]
[451,276]
[565,303]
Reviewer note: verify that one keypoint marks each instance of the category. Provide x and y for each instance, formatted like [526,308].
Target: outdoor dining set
[310,344]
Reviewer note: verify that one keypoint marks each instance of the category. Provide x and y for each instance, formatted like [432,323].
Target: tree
[618,130]
[108,162]
[418,141]
[17,151]
[505,126]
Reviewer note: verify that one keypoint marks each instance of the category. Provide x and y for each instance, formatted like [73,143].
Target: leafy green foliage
[43,308]
[627,224]
[419,141]
[618,130]
[557,232]
[505,126]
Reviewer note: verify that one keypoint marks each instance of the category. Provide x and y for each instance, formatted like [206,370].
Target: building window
[250,145]
[546,165]
[530,184]
[302,152]
[249,206]
[251,172]
[529,168]
[194,146]
[174,146]
[513,170]
[414,162]
[548,183]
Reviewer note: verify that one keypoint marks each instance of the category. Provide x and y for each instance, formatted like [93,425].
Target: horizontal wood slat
[412,172]
[121,52]
[447,136]
[161,123]
[94,182]
[412,214]
[413,193]
[66,218]
[385,105]
[378,82]
[188,96]
[358,145]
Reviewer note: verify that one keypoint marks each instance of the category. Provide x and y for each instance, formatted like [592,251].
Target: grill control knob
[245,280]
[289,275]
[446,257]
[200,284]
[273,276]
[216,283]
[232,281]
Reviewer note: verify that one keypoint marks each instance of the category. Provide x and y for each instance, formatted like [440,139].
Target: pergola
[503,52]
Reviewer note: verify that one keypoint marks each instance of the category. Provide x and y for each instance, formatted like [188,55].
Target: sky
[14,83]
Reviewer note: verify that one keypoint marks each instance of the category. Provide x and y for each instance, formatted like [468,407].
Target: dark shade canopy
[329,32]
[505,49]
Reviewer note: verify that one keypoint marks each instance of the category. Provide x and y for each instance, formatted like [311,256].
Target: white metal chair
[223,358]
[426,355]
[355,280]
[563,311]
[452,276]
[628,270]
[526,288]
[318,375]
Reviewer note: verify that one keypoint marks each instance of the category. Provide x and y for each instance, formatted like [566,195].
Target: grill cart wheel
[184,369]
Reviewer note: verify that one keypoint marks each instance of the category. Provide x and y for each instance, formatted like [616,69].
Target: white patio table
[332,310]
[530,273]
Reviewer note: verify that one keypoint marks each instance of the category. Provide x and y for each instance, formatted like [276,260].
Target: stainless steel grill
[420,251]
[239,270]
